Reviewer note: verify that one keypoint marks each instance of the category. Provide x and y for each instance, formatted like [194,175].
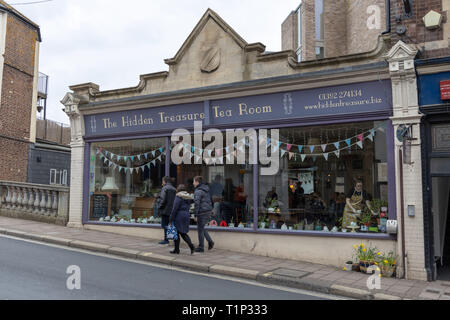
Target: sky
[111,42]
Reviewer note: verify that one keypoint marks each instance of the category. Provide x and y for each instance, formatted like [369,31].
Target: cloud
[112,42]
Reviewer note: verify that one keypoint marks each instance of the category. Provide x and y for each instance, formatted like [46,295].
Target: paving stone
[89,246]
[123,252]
[153,257]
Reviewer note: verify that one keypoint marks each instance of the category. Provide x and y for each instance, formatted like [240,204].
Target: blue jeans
[202,220]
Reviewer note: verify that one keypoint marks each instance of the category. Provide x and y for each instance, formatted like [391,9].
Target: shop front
[434,98]
[299,156]
[321,143]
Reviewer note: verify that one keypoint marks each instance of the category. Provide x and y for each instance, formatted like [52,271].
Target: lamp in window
[110,185]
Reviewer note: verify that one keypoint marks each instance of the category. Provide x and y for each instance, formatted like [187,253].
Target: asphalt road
[30,271]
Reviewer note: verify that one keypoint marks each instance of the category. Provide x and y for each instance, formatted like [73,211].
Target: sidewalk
[290,273]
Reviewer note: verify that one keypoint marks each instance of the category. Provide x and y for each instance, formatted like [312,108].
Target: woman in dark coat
[181,216]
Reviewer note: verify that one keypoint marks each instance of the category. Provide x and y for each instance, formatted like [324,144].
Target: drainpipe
[402,219]
[388,17]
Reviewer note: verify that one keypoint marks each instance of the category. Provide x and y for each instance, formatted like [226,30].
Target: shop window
[319,169]
[125,180]
[230,185]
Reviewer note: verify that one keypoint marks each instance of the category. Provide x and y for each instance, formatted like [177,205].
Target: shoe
[199,250]
[175,251]
[192,248]
[210,245]
[163,242]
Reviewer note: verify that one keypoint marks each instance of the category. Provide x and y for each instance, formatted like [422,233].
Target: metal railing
[34,201]
[42,84]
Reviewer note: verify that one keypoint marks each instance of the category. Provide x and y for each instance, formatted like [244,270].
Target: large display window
[331,178]
[125,180]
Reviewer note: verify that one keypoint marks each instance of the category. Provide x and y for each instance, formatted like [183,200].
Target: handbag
[172,232]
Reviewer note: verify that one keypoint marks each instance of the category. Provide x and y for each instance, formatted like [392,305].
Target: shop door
[441,220]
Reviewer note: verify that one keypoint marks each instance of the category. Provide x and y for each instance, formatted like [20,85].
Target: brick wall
[436,41]
[289,32]
[335,33]
[17,99]
[308,30]
[359,37]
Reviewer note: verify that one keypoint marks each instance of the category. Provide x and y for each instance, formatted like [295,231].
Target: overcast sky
[111,42]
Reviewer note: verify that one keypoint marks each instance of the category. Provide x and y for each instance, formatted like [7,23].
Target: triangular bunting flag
[154,163]
[314,158]
[154,152]
[303,156]
[348,141]
[125,158]
[300,148]
[289,146]
[290,155]
[337,152]
[324,147]
[311,148]
[106,152]
[336,145]
[146,156]
[279,143]
[161,150]
[360,137]
[143,168]
[325,155]
[139,157]
[360,144]
[132,158]
[118,158]
[282,153]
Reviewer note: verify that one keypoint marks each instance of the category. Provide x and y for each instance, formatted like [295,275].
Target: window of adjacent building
[299,34]
[319,167]
[125,180]
[319,29]
[58,177]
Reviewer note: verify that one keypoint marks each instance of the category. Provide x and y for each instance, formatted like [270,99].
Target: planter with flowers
[366,256]
[387,264]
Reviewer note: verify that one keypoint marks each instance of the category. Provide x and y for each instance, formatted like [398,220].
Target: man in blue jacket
[202,211]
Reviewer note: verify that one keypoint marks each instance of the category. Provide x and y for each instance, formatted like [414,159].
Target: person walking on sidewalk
[181,217]
[202,212]
[166,200]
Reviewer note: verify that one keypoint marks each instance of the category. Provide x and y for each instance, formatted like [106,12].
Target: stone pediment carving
[211,60]
[212,54]
[401,51]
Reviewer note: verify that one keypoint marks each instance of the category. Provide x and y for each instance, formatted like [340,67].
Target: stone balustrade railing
[34,201]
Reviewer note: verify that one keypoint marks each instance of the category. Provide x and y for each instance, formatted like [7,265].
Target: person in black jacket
[202,212]
[165,204]
[181,217]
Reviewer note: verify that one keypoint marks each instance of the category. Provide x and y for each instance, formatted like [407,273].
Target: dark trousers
[202,220]
[164,224]
[186,239]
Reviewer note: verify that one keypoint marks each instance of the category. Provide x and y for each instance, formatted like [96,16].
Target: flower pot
[387,271]
[355,267]
[349,266]
[365,265]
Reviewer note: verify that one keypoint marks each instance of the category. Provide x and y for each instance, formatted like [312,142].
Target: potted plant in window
[365,220]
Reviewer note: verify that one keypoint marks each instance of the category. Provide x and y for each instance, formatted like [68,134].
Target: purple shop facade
[357,102]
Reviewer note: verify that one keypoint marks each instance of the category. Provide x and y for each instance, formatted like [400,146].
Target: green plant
[377,204]
[365,218]
[387,260]
[363,253]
